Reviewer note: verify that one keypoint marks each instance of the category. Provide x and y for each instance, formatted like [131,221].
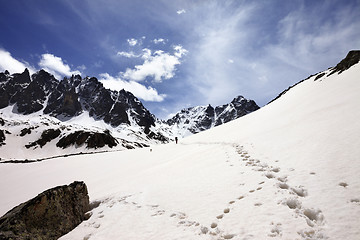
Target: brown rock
[50,215]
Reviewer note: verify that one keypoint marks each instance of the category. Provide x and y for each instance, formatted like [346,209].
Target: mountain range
[80,113]
[42,117]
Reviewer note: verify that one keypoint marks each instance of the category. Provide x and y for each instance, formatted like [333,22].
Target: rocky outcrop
[2,137]
[46,137]
[353,57]
[50,215]
[90,139]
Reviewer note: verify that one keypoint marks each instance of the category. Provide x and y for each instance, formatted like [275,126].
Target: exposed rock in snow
[49,215]
[90,139]
[352,58]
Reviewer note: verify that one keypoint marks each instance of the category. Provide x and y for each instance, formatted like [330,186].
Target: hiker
[176,140]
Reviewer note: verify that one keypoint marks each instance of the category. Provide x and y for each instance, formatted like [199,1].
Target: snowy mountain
[196,119]
[40,114]
[286,171]
[70,98]
[45,117]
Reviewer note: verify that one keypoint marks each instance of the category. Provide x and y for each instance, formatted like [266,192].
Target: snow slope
[287,171]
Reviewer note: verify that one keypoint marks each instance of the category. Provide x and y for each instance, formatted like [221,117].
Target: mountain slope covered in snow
[78,115]
[287,171]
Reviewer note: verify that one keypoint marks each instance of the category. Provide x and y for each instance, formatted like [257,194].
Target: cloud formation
[130,54]
[158,65]
[7,62]
[181,11]
[159,40]
[139,90]
[132,41]
[56,66]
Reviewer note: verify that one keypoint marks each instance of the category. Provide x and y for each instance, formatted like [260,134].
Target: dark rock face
[238,107]
[50,215]
[46,137]
[25,131]
[90,139]
[351,58]
[32,98]
[198,119]
[2,137]
[10,92]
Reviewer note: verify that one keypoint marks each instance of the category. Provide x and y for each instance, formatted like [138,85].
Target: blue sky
[177,54]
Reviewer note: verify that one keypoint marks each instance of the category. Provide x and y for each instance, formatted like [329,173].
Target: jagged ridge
[197,119]
[70,97]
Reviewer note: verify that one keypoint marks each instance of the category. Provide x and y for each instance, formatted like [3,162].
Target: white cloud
[7,62]
[159,65]
[139,90]
[146,53]
[218,37]
[56,66]
[180,51]
[181,11]
[305,34]
[82,67]
[98,64]
[132,41]
[130,54]
[159,40]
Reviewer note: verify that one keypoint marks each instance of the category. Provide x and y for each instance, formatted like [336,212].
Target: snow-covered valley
[287,171]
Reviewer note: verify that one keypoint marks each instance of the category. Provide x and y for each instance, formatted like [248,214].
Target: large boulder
[50,215]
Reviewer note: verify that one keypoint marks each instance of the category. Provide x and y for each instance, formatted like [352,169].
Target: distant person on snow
[176,140]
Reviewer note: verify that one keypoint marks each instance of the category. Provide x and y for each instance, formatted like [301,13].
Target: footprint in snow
[158,213]
[241,197]
[283,185]
[276,230]
[220,216]
[343,184]
[300,191]
[269,175]
[226,210]
[293,203]
[213,225]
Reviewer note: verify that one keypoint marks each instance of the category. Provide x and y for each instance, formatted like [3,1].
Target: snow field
[287,171]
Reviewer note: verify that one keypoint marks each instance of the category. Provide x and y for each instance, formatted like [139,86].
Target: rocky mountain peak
[197,119]
[71,97]
[238,99]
